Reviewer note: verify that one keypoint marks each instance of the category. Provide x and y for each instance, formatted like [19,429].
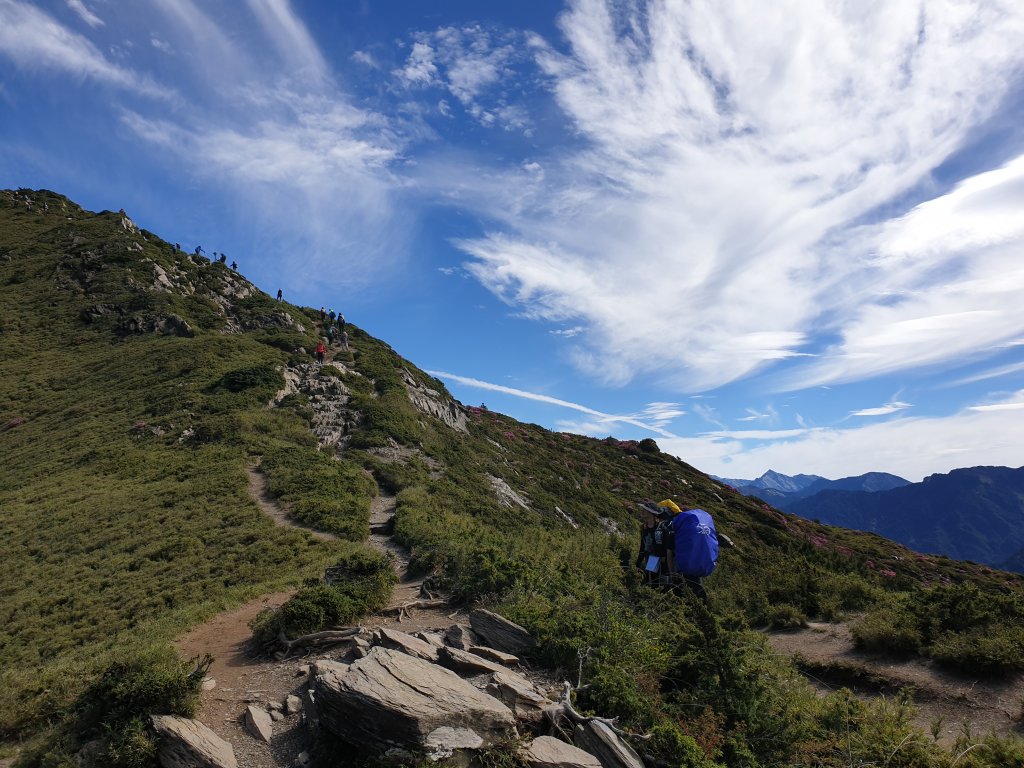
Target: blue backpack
[696,543]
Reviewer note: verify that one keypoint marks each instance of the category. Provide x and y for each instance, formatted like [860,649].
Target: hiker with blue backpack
[689,543]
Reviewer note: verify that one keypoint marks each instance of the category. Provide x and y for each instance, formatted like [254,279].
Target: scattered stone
[302,759]
[467,663]
[208,684]
[360,647]
[499,632]
[390,700]
[549,752]
[185,743]
[258,723]
[460,636]
[293,705]
[431,638]
[601,741]
[400,641]
[275,706]
[493,654]
[518,694]
[276,715]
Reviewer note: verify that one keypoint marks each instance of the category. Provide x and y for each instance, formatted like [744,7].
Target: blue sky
[786,237]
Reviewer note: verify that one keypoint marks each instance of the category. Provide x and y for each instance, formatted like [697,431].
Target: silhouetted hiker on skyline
[199,250]
[223,259]
[280,295]
[234,265]
[341,321]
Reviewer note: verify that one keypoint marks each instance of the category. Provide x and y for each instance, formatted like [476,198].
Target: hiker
[330,335]
[280,294]
[234,266]
[223,259]
[323,315]
[177,247]
[341,321]
[694,546]
[321,350]
[344,340]
[330,314]
[655,539]
[199,250]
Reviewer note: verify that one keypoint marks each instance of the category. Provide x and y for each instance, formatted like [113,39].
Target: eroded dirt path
[240,678]
[277,513]
[945,702]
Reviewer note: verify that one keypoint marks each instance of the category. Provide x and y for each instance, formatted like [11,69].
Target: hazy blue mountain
[783,490]
[970,514]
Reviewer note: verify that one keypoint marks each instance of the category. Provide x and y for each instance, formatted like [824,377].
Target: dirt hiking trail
[240,678]
[945,701]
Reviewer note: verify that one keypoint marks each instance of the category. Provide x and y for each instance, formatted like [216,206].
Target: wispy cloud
[769,415]
[474,64]
[35,40]
[910,447]
[737,168]
[991,373]
[84,13]
[604,418]
[883,410]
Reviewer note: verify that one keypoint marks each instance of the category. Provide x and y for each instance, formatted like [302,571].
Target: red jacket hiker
[321,350]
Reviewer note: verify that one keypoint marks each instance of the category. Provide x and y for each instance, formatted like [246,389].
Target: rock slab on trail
[390,701]
[185,743]
[259,723]
[499,632]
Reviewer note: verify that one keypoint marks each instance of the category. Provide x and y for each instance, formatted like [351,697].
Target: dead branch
[564,710]
[319,639]
[403,609]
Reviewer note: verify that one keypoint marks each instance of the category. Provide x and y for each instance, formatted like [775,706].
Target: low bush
[990,651]
[786,617]
[888,630]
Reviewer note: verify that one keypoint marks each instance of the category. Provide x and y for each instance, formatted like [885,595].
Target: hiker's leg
[697,588]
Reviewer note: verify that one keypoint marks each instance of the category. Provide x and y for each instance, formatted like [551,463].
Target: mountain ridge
[142,383]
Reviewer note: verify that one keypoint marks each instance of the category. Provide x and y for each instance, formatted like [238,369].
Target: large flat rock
[549,752]
[499,632]
[184,743]
[390,701]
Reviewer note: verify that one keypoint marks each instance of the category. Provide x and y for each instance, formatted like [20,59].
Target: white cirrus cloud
[35,40]
[84,13]
[883,410]
[713,223]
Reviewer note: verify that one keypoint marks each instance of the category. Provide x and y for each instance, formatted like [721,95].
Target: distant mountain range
[783,491]
[974,514]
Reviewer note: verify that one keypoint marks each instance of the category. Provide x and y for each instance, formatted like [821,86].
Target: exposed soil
[240,678]
[826,655]
[276,512]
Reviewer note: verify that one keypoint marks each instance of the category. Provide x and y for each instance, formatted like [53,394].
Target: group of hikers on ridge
[334,329]
[678,547]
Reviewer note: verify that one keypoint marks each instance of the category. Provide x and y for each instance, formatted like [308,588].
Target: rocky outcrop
[549,752]
[433,403]
[184,743]
[328,398]
[505,494]
[499,632]
[168,325]
[396,705]
[518,694]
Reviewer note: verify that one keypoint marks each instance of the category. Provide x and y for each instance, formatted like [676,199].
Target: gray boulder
[460,636]
[518,694]
[499,632]
[601,741]
[184,743]
[390,702]
[549,752]
[259,723]
[406,643]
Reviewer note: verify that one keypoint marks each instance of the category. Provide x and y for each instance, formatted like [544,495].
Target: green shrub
[989,651]
[786,617]
[364,582]
[265,376]
[888,630]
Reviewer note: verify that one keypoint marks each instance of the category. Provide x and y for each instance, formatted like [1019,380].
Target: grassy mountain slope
[134,394]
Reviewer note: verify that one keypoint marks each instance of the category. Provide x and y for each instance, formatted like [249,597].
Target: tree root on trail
[564,710]
[316,639]
[403,610]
